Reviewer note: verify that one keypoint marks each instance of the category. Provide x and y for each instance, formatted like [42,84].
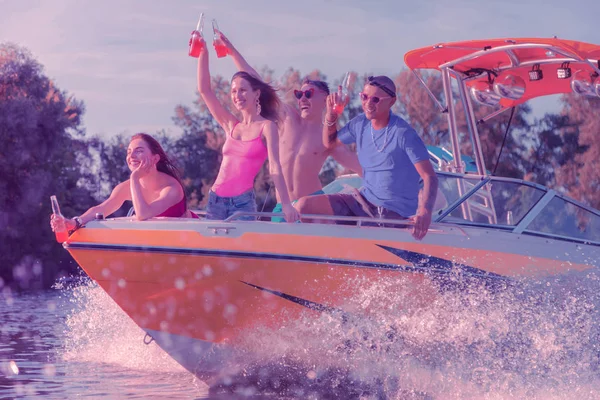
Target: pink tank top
[242,160]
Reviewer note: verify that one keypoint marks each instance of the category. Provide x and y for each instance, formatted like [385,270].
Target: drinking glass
[343,91]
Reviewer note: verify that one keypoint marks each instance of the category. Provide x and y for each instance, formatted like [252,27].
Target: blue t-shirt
[387,157]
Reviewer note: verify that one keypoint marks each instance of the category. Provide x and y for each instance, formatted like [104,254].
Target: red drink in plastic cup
[196,45]
[338,108]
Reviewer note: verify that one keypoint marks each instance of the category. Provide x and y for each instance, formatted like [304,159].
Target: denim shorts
[223,207]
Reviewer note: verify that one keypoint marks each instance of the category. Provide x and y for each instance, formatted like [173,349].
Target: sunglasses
[375,99]
[308,93]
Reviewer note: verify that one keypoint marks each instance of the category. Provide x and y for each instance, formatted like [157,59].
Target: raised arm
[330,139]
[243,65]
[220,113]
[239,61]
[272,136]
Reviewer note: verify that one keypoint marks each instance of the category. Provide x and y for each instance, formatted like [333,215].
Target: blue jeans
[223,207]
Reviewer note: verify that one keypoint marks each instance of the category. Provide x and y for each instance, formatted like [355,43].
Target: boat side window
[564,218]
[449,187]
[498,202]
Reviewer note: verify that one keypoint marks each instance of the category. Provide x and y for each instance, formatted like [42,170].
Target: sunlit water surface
[535,340]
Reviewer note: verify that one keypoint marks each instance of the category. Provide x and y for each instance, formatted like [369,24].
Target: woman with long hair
[248,144]
[154,187]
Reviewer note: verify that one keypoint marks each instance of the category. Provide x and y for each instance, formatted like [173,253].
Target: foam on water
[101,343]
[475,341]
[523,339]
[98,330]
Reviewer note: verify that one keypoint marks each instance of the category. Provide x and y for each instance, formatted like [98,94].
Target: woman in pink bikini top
[154,186]
[248,143]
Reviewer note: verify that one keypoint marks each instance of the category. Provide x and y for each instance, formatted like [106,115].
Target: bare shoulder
[122,186]
[270,124]
[122,191]
[170,183]
[269,127]
[289,112]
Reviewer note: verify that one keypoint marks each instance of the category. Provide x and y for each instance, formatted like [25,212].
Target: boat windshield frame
[525,222]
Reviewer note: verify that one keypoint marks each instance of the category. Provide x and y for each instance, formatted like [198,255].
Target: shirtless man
[301,149]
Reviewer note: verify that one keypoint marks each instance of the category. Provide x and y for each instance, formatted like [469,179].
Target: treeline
[45,150]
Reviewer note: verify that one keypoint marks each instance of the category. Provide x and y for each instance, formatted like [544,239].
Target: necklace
[385,140]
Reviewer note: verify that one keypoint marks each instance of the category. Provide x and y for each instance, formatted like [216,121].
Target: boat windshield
[515,205]
[564,218]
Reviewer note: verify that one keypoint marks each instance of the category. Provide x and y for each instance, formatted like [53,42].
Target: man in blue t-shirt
[393,158]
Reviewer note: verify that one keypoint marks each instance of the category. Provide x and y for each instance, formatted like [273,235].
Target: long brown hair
[164,164]
[269,102]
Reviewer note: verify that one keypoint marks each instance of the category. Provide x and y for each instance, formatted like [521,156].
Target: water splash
[98,330]
[397,339]
[523,340]
[75,341]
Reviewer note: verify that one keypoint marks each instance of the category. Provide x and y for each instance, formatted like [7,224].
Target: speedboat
[199,288]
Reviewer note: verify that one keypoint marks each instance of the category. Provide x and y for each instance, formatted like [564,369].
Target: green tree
[549,149]
[110,167]
[415,105]
[43,153]
[578,168]
[111,163]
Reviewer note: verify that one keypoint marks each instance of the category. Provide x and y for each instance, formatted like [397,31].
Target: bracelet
[332,123]
[78,223]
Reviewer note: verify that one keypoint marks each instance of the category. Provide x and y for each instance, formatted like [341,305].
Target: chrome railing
[321,217]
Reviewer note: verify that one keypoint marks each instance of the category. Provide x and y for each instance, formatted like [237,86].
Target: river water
[535,340]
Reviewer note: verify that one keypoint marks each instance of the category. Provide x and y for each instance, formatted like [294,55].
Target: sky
[127,59]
